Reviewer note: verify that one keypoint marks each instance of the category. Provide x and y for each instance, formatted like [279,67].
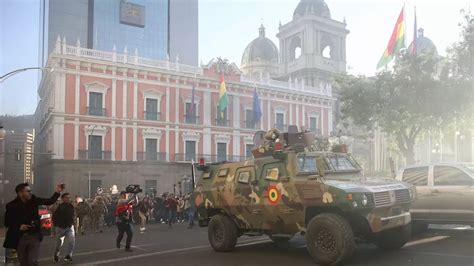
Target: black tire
[222,233]
[394,238]
[418,228]
[329,239]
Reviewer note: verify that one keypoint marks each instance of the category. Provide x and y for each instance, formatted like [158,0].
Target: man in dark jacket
[172,205]
[123,215]
[63,220]
[23,223]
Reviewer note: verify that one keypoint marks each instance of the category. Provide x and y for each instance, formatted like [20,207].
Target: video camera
[133,189]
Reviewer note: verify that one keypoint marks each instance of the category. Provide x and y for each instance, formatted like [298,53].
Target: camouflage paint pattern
[259,198]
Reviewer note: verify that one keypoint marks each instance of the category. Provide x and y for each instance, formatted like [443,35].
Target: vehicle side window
[417,176]
[273,171]
[244,177]
[272,174]
[223,172]
[450,176]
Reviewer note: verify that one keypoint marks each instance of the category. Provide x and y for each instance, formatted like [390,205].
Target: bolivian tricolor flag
[223,100]
[397,41]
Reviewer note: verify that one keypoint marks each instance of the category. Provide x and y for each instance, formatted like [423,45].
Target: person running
[143,209]
[172,208]
[123,215]
[63,220]
[23,223]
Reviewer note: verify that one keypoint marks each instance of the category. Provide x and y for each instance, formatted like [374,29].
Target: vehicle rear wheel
[329,239]
[393,238]
[222,233]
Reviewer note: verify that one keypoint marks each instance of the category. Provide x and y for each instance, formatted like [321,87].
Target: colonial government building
[116,118]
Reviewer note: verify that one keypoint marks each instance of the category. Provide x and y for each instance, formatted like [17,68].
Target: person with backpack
[123,220]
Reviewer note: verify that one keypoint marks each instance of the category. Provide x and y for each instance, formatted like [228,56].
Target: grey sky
[227,26]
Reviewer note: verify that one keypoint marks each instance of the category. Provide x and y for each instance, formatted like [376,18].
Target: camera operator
[23,223]
[123,215]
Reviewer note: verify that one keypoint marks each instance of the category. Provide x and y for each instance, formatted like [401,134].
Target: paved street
[181,246]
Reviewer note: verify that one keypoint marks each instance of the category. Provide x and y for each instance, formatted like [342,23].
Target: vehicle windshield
[469,167]
[341,163]
[307,164]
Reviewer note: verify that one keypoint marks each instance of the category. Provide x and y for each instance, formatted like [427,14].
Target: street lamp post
[89,159]
[14,72]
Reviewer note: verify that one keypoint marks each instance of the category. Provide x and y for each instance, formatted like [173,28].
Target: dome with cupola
[261,55]
[312,7]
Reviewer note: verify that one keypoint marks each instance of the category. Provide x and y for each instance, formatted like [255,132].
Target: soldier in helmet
[99,209]
[269,138]
[83,212]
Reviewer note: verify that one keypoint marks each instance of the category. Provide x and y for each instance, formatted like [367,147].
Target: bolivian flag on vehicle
[223,99]
[396,42]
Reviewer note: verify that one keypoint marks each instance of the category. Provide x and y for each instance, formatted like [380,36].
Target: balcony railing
[222,122]
[96,111]
[152,116]
[94,155]
[250,124]
[151,156]
[281,127]
[191,119]
[212,158]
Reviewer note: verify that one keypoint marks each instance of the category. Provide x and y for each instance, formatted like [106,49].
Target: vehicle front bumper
[379,223]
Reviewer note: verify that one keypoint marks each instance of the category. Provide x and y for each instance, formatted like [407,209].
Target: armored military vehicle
[296,184]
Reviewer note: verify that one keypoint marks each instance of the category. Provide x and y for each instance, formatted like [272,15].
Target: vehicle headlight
[364,200]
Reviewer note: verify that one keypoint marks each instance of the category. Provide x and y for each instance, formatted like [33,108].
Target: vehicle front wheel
[329,239]
[222,233]
[393,238]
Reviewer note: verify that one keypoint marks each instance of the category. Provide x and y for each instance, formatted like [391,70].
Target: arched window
[327,51]
[327,47]
[295,48]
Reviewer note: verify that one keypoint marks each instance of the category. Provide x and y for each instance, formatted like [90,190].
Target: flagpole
[404,25]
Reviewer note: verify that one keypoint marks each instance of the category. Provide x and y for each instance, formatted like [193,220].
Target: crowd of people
[87,215]
[92,214]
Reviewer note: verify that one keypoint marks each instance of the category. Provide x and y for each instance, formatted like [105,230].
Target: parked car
[445,193]
[45,219]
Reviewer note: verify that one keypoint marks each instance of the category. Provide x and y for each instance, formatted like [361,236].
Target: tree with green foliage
[422,92]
